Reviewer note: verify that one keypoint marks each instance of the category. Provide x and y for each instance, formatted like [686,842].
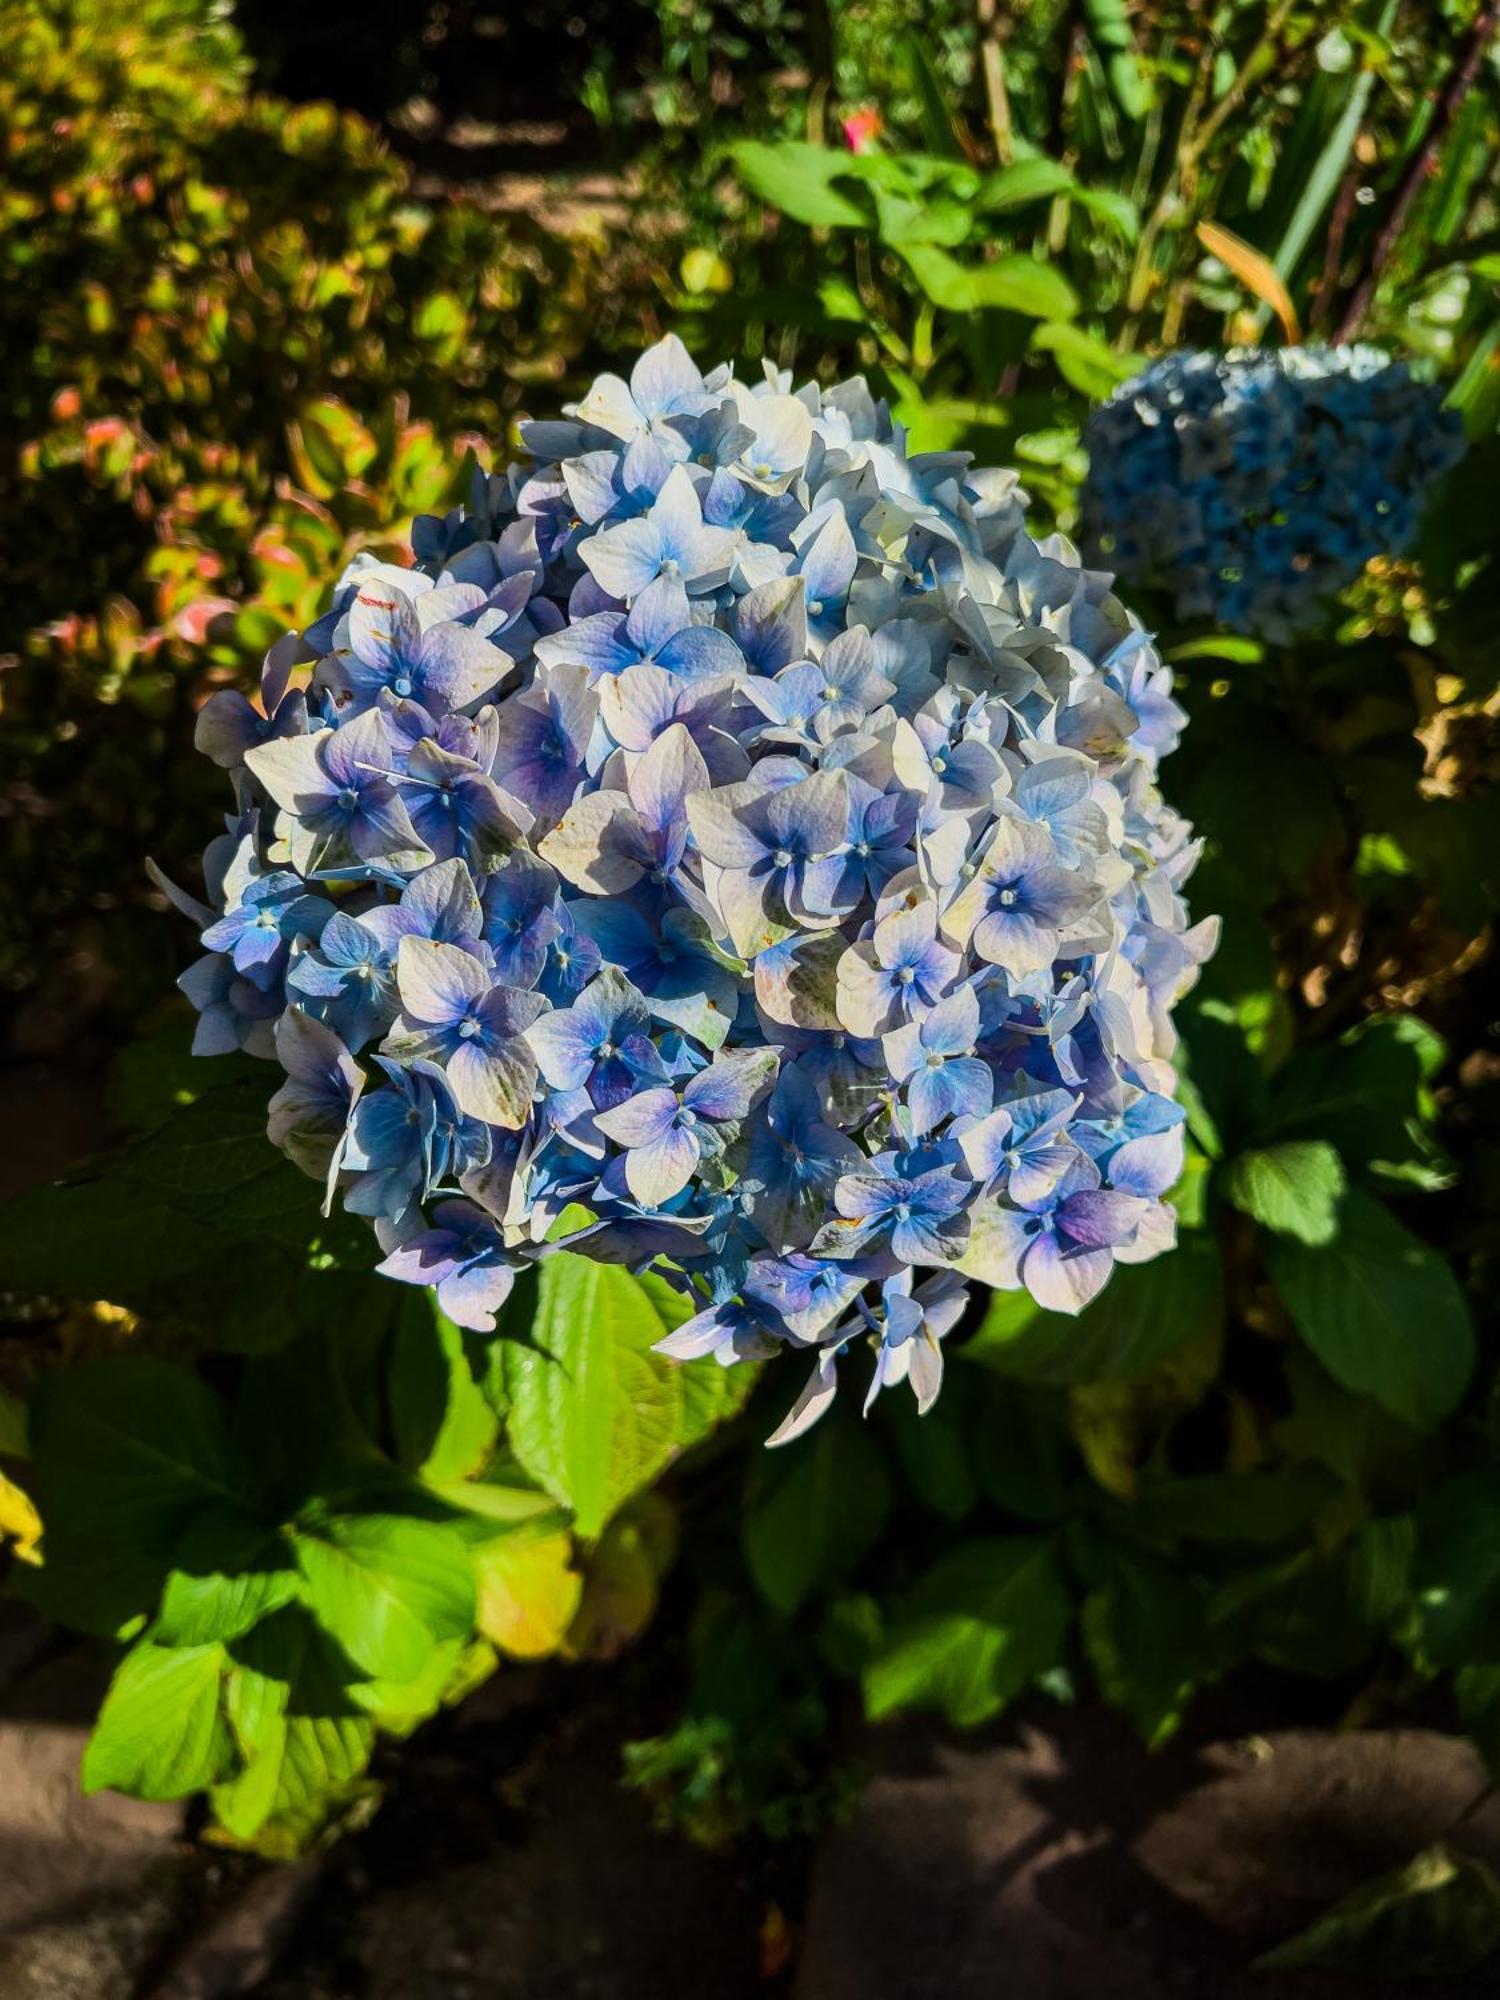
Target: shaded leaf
[1382,1312]
[976,1630]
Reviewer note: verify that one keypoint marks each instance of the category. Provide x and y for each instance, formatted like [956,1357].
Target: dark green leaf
[128,1452]
[812,1508]
[1145,1631]
[1382,1312]
[1143,1314]
[1457,1571]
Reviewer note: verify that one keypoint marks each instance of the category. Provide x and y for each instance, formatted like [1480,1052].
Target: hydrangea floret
[1254,486]
[732,847]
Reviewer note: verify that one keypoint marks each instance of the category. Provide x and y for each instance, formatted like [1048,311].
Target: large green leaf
[1439,1916]
[1382,1312]
[981,1625]
[812,1508]
[229,1570]
[160,1734]
[798,178]
[1293,1188]
[303,1738]
[128,1451]
[385,1587]
[162,1224]
[1143,1314]
[595,1415]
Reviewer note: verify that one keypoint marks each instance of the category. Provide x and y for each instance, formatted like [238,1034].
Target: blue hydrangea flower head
[1255,486]
[737,826]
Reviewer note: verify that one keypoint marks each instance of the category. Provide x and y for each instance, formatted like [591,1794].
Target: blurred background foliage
[265,270]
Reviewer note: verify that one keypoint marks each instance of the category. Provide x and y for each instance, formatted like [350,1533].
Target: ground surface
[1048,1857]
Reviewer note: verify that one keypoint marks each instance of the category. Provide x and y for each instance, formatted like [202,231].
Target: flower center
[605,1051]
[348,798]
[468,1028]
[815,607]
[1008,898]
[687,1117]
[905,974]
[402,686]
[783,857]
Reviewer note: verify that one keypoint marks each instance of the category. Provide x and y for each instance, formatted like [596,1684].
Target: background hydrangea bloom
[1256,485]
[740,827]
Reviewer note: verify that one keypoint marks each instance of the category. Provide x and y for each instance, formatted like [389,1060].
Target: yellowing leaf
[1254,271]
[528,1592]
[19,1521]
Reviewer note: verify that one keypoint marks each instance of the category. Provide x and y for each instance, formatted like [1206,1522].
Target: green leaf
[1087,363]
[228,1572]
[443,1423]
[932,1450]
[595,1415]
[1025,181]
[1477,1691]
[1021,284]
[1382,1312]
[128,1451]
[1275,1505]
[160,1734]
[797,178]
[977,1629]
[1144,1631]
[812,1508]
[399,1707]
[303,1738]
[1294,1188]
[1437,1917]
[1143,1314]
[1009,283]
[1366,1094]
[385,1587]
[155,1226]
[1456,1574]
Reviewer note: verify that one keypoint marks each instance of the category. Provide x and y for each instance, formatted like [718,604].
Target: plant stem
[1333,248]
[996,96]
[1461,77]
[1198,132]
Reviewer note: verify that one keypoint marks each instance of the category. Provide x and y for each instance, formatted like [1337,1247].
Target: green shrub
[235,343]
